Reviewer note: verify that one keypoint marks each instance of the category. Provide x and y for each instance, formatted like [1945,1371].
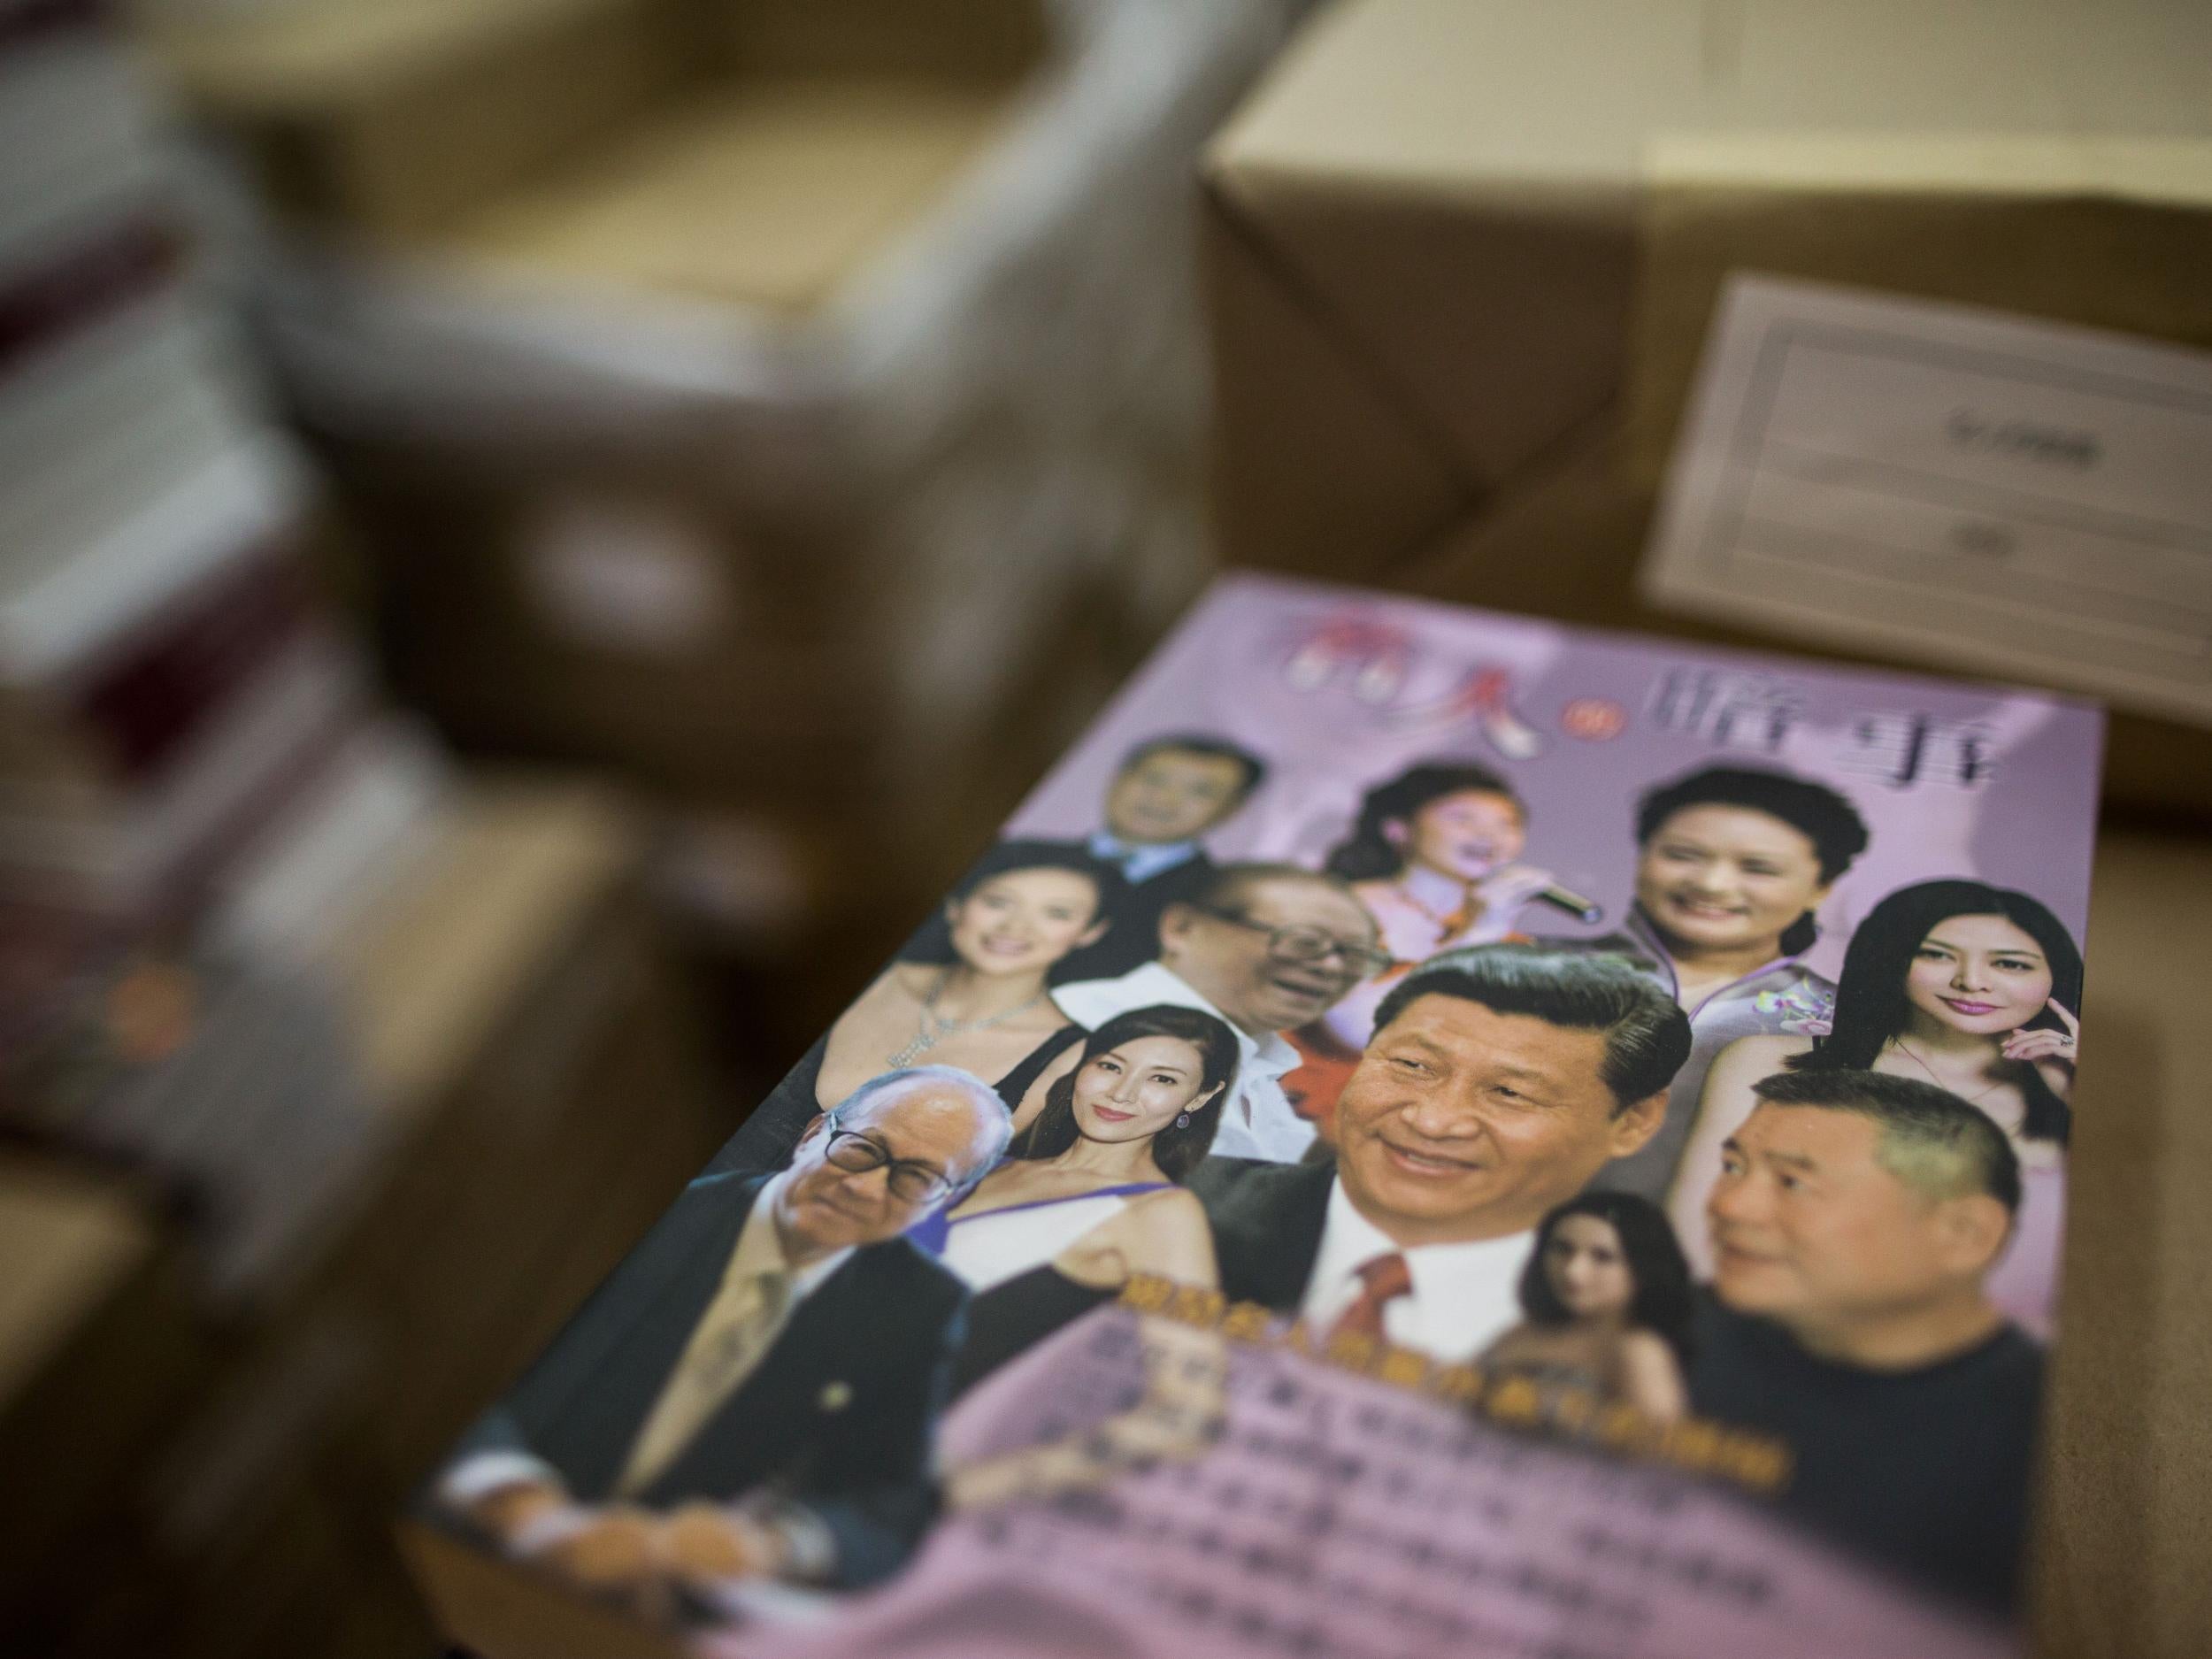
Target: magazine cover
[1432,1130]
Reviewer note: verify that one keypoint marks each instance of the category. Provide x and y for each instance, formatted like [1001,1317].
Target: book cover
[1432,1130]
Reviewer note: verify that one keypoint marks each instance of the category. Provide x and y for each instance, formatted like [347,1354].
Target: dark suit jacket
[1267,1220]
[838,1416]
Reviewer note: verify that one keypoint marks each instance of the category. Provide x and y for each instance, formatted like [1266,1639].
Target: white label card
[1986,492]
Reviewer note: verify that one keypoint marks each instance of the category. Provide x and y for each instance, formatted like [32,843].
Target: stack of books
[169,683]
[194,772]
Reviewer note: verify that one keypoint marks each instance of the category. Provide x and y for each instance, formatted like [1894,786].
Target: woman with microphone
[1434,856]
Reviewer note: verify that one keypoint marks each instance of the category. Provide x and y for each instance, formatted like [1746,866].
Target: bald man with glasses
[753,1393]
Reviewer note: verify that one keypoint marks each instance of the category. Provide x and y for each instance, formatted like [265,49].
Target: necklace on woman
[933,1028]
[1936,1078]
[1447,923]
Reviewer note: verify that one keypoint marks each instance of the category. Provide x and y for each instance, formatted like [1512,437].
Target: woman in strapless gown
[1606,1301]
[1088,1197]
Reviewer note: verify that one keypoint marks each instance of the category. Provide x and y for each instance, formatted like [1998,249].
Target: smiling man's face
[1461,1123]
[1231,961]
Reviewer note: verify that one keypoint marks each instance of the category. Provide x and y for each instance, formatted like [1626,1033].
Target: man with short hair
[1169,792]
[1500,1079]
[1855,1226]
[1266,948]
[753,1393]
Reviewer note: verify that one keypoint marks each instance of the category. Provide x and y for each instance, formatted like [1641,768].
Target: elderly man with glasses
[753,1393]
[1267,949]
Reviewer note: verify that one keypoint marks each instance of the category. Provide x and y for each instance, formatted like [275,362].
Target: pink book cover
[1432,1130]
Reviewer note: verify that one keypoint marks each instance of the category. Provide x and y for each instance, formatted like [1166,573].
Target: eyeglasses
[1308,944]
[911,1181]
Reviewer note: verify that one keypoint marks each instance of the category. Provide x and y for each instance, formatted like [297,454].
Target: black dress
[1010,1318]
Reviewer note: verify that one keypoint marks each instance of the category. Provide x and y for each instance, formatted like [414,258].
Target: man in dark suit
[1169,792]
[1499,1081]
[753,1393]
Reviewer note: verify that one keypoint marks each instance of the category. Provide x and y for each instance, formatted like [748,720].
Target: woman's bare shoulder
[1769,1046]
[1165,1231]
[1170,1206]
[1513,1345]
[1646,1352]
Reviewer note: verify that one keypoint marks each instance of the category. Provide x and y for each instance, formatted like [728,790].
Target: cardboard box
[752,446]
[570,125]
[2125,1556]
[1423,242]
[1439,266]
[620,616]
[101,1353]
[385,120]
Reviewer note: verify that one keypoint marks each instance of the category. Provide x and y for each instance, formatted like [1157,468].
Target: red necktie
[1381,1281]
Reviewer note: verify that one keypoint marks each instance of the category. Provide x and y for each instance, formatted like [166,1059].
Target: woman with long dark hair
[1969,987]
[1091,1191]
[1089,1196]
[1606,1301]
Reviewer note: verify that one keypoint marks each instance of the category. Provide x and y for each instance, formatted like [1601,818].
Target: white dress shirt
[1465,1296]
[1257,1122]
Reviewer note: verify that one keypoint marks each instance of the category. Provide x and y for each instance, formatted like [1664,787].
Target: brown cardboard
[88,1272]
[976,41]
[680,142]
[499,1608]
[774,683]
[101,1354]
[384,119]
[770,193]
[1424,237]
[2114,236]
[2125,1559]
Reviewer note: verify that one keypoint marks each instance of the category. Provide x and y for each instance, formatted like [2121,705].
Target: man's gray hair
[994,1123]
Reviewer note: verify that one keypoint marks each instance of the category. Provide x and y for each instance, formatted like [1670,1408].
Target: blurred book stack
[191,764]
[790,406]
[310,1052]
[214,1472]
[163,673]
